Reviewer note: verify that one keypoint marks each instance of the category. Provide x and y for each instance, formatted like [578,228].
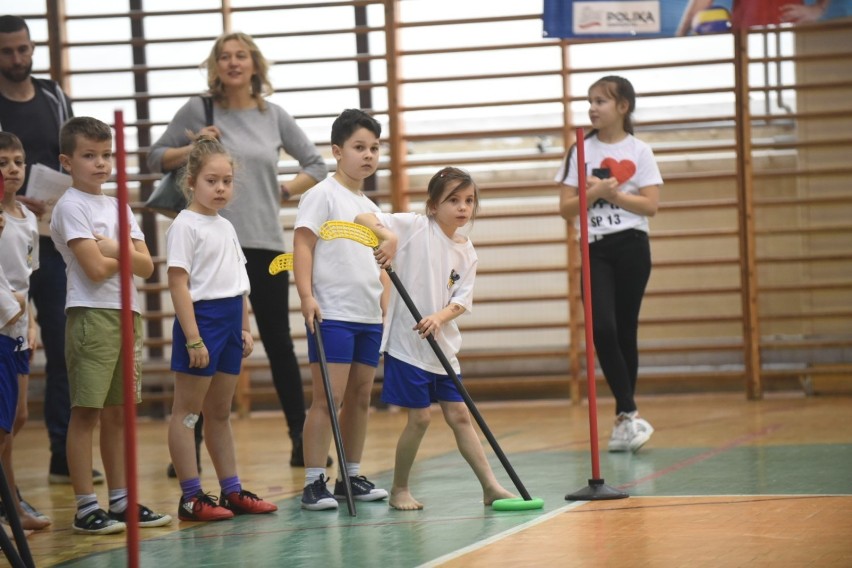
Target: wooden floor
[723,482]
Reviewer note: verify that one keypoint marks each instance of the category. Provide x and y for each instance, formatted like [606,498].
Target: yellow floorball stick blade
[281,263]
[346,230]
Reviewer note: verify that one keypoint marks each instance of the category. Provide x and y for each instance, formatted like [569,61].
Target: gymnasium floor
[723,482]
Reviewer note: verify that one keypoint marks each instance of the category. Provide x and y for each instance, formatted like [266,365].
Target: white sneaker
[641,433]
[622,433]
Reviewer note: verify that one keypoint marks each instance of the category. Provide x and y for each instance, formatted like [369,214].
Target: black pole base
[597,490]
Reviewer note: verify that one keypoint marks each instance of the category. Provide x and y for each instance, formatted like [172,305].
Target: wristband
[285,193]
[195,344]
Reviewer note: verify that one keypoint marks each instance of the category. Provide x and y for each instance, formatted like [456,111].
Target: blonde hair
[204,148]
[260,85]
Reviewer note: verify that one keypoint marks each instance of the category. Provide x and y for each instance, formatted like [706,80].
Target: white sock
[118,500]
[312,474]
[353,469]
[86,504]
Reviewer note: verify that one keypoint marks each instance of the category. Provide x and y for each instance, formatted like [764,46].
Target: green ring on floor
[517,504]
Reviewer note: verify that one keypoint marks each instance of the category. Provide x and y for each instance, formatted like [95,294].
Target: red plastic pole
[128,347]
[587,305]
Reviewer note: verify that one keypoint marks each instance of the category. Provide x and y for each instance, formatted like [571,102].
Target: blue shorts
[348,342]
[8,382]
[220,323]
[22,358]
[411,387]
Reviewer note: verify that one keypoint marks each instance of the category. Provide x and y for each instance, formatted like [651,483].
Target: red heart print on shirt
[622,171]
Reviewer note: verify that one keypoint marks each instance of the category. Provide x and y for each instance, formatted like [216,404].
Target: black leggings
[620,267]
[269,300]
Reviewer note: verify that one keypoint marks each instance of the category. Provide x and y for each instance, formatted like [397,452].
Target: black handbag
[167,198]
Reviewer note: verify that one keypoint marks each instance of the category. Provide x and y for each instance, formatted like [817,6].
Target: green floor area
[454,517]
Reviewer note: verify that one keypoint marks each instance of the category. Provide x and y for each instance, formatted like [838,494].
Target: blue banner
[596,19]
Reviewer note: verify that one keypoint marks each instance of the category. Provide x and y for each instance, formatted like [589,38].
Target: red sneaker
[246,503]
[202,507]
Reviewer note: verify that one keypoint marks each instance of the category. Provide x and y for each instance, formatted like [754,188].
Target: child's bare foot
[491,495]
[402,500]
[8,529]
[29,522]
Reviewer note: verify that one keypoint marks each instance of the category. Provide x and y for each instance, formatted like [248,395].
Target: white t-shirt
[9,306]
[206,246]
[632,162]
[19,258]
[436,271]
[346,282]
[81,215]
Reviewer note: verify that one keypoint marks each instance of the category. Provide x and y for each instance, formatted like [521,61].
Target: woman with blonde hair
[254,131]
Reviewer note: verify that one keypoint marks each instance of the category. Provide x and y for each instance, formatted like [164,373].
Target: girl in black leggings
[622,190]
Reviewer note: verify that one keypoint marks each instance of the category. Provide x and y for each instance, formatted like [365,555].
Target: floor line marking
[500,536]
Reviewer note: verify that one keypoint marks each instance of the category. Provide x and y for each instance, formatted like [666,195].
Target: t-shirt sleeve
[71,221]
[314,210]
[180,245]
[572,178]
[648,172]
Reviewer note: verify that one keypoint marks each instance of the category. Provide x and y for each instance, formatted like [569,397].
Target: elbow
[146,271]
[155,161]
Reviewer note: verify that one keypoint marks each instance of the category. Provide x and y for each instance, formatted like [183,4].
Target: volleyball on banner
[609,19]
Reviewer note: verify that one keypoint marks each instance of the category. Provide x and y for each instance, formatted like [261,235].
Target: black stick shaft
[22,556]
[335,425]
[467,399]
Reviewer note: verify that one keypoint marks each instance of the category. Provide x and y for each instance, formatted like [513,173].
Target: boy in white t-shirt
[18,258]
[85,231]
[342,290]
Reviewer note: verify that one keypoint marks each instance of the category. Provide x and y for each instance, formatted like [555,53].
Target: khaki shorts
[94,358]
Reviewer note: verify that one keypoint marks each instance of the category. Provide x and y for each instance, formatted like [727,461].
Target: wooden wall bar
[752,248]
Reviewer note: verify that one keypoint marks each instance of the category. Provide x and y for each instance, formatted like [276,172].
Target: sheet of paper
[47,185]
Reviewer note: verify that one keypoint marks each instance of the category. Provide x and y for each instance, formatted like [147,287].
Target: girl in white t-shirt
[623,190]
[439,265]
[209,288]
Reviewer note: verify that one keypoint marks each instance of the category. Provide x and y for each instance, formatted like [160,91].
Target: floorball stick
[335,425]
[361,234]
[279,264]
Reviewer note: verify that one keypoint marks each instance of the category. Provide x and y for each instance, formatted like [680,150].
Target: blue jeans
[48,288]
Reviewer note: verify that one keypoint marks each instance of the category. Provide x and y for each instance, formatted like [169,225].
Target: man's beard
[18,74]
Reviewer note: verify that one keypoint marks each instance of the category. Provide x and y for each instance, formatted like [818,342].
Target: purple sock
[230,485]
[190,487]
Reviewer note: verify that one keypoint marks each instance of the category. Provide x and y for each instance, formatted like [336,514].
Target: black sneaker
[315,497]
[297,455]
[147,517]
[98,522]
[362,490]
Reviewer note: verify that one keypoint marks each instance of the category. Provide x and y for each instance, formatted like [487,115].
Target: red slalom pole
[128,347]
[597,489]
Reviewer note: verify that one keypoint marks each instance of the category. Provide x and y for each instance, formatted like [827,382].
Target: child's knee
[419,418]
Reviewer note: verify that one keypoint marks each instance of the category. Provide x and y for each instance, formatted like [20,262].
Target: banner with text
[597,19]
